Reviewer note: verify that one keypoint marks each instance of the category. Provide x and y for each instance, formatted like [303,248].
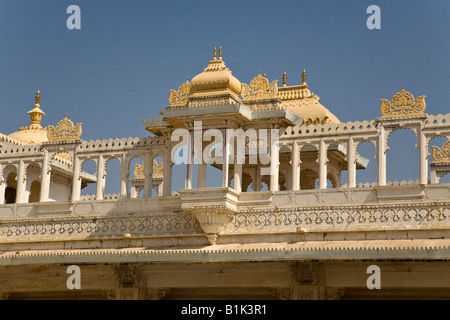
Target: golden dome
[30,136]
[305,104]
[216,78]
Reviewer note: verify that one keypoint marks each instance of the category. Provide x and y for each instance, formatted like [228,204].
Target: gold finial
[403,87]
[38,98]
[65,115]
[259,72]
[264,75]
[284,77]
[187,78]
[220,53]
[215,54]
[36,114]
[304,76]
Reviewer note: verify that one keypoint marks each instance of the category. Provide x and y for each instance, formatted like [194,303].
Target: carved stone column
[202,175]
[2,184]
[423,154]
[21,182]
[45,178]
[351,163]
[124,176]
[148,175]
[76,182]
[101,175]
[323,165]
[189,162]
[226,159]
[295,166]
[381,156]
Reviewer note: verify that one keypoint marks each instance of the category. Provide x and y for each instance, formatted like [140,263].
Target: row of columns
[124,177]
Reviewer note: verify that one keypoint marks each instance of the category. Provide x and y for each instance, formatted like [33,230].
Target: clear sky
[120,66]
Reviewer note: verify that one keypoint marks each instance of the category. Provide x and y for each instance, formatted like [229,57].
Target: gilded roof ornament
[402,104]
[441,154]
[65,130]
[259,88]
[36,115]
[180,97]
[304,76]
[157,170]
[284,77]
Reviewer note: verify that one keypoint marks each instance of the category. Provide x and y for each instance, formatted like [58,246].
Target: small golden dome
[35,133]
[216,78]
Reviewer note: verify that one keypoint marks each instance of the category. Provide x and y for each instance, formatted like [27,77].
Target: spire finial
[403,87]
[259,72]
[187,78]
[36,114]
[284,79]
[215,53]
[220,53]
[38,98]
[264,75]
[304,76]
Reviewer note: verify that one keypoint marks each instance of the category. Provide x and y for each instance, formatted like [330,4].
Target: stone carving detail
[305,273]
[180,97]
[402,104]
[98,227]
[157,170]
[212,221]
[127,275]
[65,130]
[441,154]
[334,293]
[259,88]
[344,217]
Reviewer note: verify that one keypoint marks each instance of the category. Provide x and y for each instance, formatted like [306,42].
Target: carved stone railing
[221,214]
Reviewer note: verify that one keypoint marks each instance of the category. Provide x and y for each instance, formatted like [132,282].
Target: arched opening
[308,179]
[445,178]
[11,188]
[366,163]
[309,167]
[402,157]
[35,192]
[89,167]
[158,176]
[136,183]
[435,146]
[112,181]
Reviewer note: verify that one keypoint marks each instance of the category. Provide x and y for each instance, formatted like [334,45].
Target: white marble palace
[296,233]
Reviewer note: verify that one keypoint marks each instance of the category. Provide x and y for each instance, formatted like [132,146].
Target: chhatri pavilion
[280,224]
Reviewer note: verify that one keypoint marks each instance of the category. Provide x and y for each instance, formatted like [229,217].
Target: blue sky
[120,66]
